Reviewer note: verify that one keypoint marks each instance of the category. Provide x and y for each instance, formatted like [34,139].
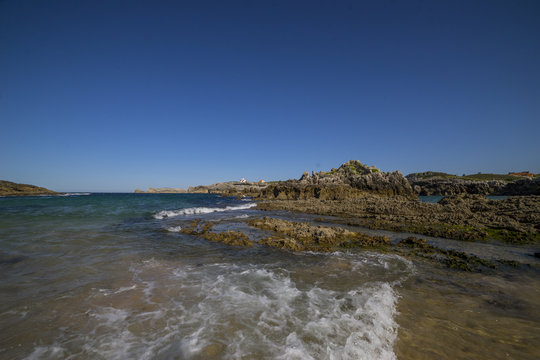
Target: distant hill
[8,188]
[472,177]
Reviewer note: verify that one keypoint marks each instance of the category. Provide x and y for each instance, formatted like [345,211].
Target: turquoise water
[437,198]
[431,198]
[109,276]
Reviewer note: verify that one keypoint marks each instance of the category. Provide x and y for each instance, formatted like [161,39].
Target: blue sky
[114,95]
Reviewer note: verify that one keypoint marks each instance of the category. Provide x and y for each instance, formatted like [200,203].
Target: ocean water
[110,276]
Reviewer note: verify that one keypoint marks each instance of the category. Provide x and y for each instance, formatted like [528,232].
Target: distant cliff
[230,188]
[8,188]
[162,191]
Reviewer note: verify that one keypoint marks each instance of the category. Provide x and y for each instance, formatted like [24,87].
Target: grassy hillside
[8,188]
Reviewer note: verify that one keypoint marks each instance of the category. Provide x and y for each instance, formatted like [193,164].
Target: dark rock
[521,187]
[414,242]
[440,186]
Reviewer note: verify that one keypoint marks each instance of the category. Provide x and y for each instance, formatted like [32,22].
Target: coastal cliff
[8,188]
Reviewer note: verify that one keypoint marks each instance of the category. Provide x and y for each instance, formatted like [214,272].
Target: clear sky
[114,95]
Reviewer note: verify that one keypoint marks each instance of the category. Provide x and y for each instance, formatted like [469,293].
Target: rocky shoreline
[301,236]
[461,217]
[356,196]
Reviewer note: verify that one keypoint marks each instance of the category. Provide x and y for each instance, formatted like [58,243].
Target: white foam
[174,228]
[232,311]
[107,292]
[283,321]
[46,352]
[200,210]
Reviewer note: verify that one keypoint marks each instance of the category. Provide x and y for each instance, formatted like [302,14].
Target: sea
[110,276]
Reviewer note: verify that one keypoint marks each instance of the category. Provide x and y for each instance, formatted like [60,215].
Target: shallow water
[107,276]
[436,198]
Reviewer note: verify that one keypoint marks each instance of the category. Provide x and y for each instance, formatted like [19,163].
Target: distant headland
[8,188]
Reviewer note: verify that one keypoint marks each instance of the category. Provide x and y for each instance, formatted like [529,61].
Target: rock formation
[433,183]
[440,186]
[351,179]
[462,217]
[521,187]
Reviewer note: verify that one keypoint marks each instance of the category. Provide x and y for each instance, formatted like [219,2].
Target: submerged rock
[414,242]
[233,238]
[303,236]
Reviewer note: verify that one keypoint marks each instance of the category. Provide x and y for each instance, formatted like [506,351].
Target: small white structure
[243,181]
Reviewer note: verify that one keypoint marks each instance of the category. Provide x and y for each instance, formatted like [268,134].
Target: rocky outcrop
[8,188]
[294,191]
[352,179]
[204,230]
[441,186]
[521,187]
[437,183]
[301,236]
[462,217]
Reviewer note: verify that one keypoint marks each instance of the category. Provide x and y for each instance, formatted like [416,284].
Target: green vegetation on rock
[512,236]
[8,188]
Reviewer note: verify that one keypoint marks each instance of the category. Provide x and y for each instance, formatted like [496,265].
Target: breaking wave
[174,229]
[200,210]
[231,311]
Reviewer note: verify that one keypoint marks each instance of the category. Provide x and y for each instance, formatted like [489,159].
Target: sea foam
[200,210]
[233,311]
